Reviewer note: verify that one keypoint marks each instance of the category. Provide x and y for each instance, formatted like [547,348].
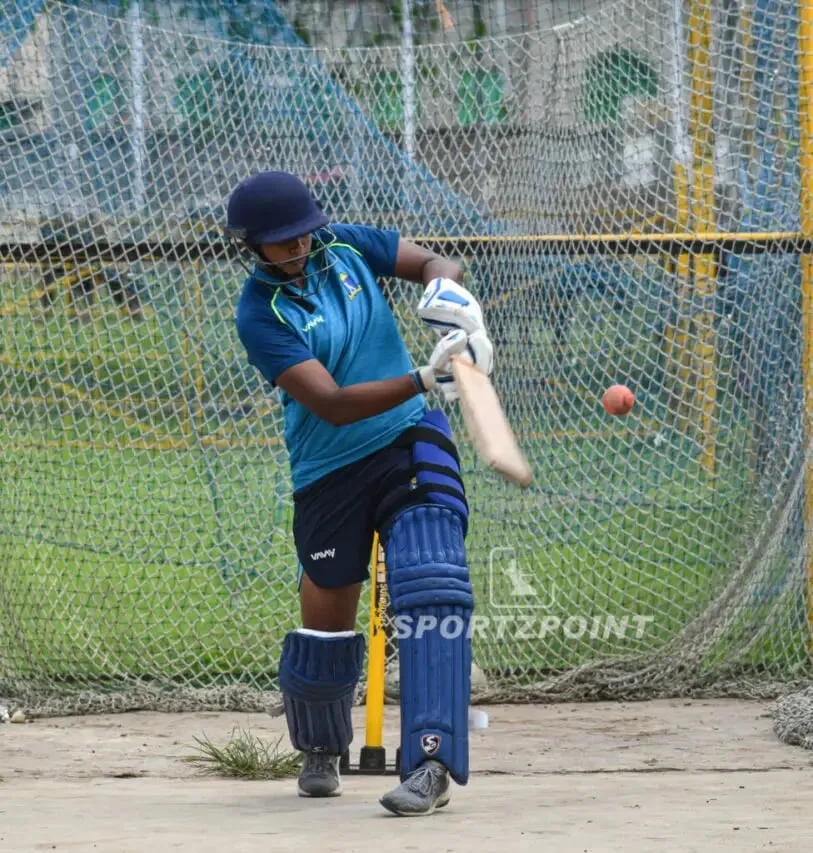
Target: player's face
[290,256]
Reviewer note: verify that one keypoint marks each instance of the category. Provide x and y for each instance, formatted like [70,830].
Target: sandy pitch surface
[650,777]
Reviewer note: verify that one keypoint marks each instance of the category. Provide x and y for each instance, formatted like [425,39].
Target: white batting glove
[479,352]
[447,385]
[446,305]
[440,362]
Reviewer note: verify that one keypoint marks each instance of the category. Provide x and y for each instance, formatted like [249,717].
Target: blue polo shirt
[349,328]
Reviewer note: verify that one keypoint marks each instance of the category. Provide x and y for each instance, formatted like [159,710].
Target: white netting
[147,558]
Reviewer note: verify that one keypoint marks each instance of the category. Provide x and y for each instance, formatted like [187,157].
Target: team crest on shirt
[351,288]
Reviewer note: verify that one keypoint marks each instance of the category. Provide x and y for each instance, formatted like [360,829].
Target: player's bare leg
[319,670]
[328,609]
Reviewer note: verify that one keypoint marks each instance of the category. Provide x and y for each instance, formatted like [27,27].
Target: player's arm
[388,254]
[311,385]
[421,265]
[284,360]
[445,304]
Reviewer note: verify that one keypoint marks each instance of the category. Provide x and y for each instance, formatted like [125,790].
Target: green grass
[245,756]
[145,520]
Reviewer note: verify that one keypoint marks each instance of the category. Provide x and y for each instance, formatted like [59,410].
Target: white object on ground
[478,719]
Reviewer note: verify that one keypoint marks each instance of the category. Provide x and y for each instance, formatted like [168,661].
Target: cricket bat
[487,425]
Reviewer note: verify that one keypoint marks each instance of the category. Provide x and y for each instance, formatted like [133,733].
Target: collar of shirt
[293,293]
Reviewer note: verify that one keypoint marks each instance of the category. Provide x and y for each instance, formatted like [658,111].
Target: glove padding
[447,386]
[446,305]
[479,352]
[440,362]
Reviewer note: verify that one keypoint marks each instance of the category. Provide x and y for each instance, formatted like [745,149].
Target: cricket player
[365,453]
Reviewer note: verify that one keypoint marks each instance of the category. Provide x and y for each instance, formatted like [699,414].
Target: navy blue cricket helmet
[272,207]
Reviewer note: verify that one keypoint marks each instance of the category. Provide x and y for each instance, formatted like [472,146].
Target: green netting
[146,557]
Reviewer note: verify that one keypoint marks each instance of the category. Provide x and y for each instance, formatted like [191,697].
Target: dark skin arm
[310,384]
[418,264]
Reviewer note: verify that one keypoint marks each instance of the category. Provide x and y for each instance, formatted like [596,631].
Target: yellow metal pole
[806,182]
[682,198]
[681,351]
[377,649]
[703,208]
[676,336]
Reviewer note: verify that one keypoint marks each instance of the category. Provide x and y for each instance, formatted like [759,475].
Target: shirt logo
[311,323]
[351,288]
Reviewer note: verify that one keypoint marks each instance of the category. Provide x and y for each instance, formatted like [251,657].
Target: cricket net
[146,558]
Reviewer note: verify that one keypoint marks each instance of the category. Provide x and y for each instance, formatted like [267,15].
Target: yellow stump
[377,648]
[373,756]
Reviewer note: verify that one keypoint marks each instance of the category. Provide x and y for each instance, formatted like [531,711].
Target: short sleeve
[378,247]
[271,346]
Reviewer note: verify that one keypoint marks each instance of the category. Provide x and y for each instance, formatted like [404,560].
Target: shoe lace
[421,780]
[320,762]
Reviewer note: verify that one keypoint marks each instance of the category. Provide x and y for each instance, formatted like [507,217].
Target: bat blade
[487,425]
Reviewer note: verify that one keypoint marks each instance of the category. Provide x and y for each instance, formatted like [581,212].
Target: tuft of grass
[245,756]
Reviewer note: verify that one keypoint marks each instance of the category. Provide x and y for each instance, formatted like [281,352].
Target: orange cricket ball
[618,400]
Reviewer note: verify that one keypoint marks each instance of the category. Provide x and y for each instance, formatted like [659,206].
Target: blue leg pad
[318,674]
[428,581]
[434,471]
[431,457]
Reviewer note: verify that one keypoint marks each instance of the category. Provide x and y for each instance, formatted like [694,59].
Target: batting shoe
[423,791]
[319,776]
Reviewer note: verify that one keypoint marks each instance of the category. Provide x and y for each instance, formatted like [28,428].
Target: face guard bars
[318,261]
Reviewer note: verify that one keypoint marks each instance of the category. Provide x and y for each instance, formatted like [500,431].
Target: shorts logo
[351,288]
[320,555]
[430,744]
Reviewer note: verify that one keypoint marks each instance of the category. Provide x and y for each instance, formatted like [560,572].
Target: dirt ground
[589,778]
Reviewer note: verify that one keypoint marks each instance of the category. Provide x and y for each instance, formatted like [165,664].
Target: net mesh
[145,526]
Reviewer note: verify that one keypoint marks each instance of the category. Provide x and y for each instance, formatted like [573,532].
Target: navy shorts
[336,517]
